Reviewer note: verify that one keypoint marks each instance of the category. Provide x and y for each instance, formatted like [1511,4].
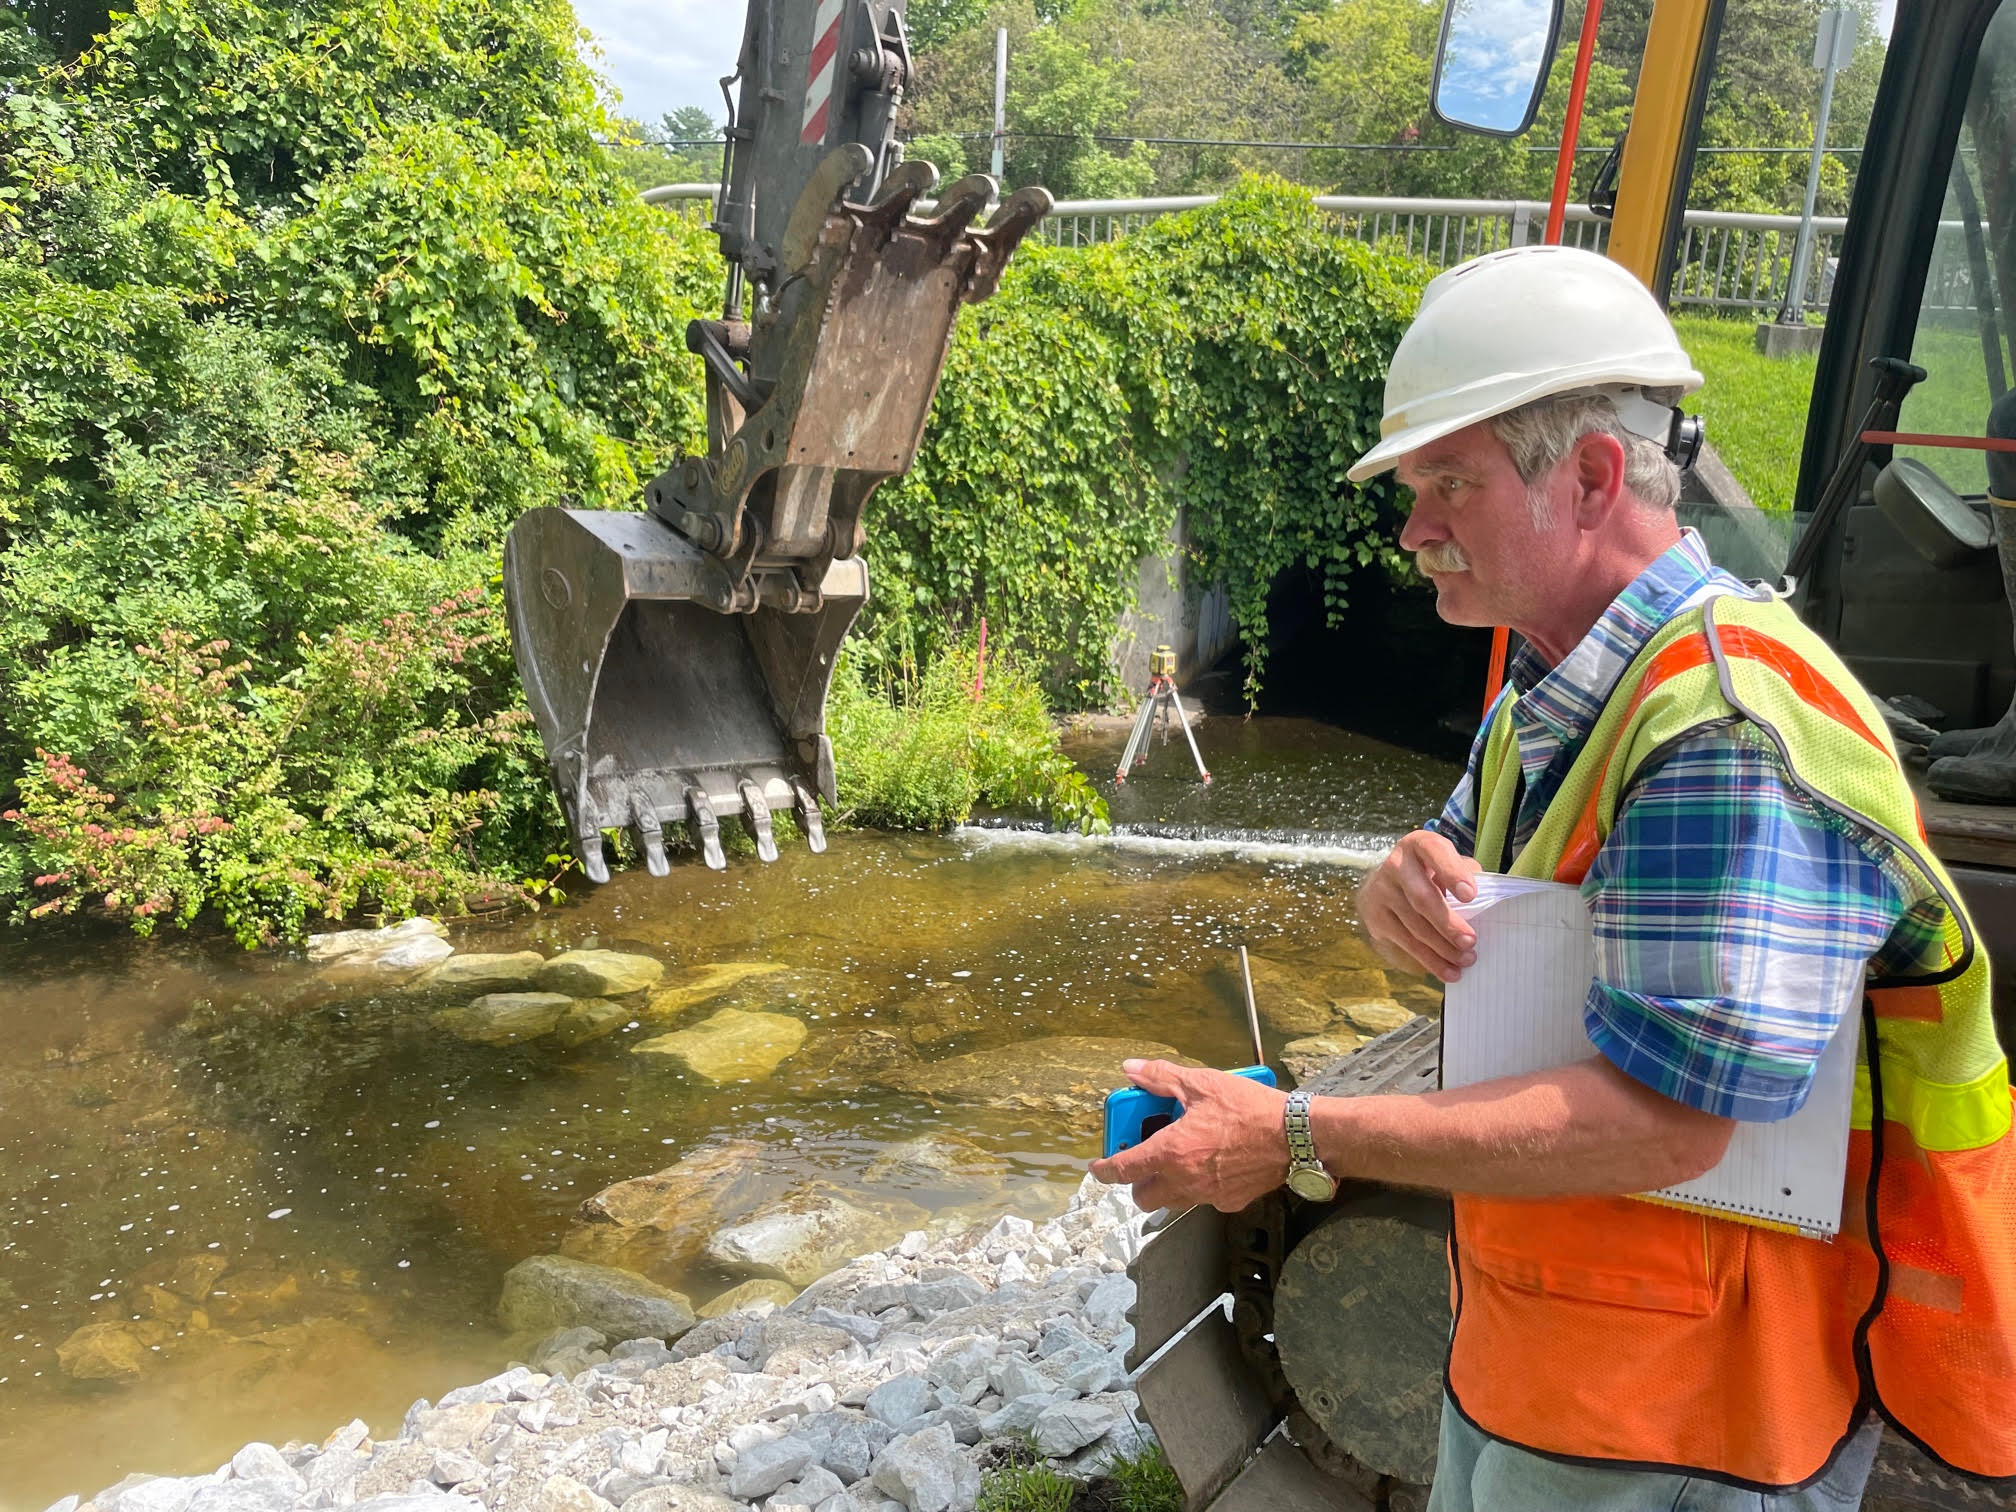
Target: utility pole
[1000,101]
[1833,49]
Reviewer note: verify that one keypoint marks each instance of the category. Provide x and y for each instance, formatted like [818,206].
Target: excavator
[677,658]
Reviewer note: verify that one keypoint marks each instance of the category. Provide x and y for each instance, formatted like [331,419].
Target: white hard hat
[1510,327]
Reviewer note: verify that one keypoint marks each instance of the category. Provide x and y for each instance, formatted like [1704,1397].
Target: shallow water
[368,1178]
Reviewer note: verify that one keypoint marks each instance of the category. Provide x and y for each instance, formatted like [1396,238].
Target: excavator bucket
[677,659]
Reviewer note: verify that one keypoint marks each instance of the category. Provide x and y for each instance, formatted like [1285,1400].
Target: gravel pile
[886,1386]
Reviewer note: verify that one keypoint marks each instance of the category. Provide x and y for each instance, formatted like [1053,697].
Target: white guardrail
[1727,261]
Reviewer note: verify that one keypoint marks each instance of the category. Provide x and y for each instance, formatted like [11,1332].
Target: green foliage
[1231,358]
[944,152]
[299,307]
[1147,1484]
[1032,1487]
[918,750]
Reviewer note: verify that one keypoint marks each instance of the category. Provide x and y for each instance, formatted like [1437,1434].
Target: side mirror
[1491,63]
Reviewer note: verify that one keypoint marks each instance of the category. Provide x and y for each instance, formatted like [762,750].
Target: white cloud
[661,54]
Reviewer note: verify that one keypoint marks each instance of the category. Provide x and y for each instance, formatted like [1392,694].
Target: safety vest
[1615,1330]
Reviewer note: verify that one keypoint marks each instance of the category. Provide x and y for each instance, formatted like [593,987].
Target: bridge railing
[1726,261]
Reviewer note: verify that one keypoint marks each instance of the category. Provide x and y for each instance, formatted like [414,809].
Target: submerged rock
[1064,1074]
[1375,1016]
[399,951]
[103,1352]
[936,1159]
[655,1225]
[849,1060]
[599,973]
[1306,1057]
[802,1237]
[557,1291]
[731,1045]
[748,1294]
[505,1018]
[589,1019]
[478,973]
[705,983]
[1297,999]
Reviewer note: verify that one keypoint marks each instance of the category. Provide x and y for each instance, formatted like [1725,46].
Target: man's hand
[1402,907]
[1228,1149]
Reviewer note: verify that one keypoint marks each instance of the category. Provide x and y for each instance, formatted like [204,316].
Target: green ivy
[1231,360]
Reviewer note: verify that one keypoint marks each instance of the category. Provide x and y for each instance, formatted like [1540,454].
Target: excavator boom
[677,659]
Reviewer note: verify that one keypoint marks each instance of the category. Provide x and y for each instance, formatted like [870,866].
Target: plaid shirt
[1736,921]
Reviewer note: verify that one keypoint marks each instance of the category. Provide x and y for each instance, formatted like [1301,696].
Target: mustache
[1442,557]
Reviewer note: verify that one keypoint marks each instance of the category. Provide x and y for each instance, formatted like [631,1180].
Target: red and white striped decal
[822,70]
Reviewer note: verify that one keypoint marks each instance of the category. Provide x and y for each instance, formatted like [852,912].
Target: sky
[661,54]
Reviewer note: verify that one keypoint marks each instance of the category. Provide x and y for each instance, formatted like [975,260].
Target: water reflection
[291,1201]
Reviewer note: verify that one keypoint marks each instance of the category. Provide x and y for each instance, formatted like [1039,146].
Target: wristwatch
[1306,1177]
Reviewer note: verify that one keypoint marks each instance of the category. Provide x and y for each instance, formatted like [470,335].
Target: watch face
[1315,1185]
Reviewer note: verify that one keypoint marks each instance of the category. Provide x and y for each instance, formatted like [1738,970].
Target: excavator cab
[677,658]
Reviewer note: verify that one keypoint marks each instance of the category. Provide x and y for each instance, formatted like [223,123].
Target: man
[1728,800]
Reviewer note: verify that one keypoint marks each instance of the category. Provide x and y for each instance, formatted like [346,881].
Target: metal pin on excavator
[677,659]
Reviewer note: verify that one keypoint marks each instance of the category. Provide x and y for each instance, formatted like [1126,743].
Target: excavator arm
[677,659]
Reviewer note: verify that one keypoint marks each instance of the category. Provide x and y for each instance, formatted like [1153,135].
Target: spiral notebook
[1519,1009]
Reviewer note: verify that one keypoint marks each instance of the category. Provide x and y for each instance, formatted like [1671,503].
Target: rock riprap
[1063,1074]
[731,1045]
[881,1388]
[599,973]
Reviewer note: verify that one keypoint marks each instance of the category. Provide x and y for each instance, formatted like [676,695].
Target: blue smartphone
[1133,1115]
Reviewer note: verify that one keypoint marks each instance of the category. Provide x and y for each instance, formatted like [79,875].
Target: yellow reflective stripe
[1940,1115]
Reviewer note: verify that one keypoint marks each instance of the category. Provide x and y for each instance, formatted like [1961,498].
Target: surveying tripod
[1161,705]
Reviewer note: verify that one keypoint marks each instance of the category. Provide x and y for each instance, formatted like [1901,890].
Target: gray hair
[1540,436]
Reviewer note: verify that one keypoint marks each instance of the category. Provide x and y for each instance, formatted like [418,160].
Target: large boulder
[478,973]
[801,1237]
[557,1291]
[393,954]
[1067,1075]
[748,1294]
[599,973]
[505,1018]
[731,1045]
[926,1472]
[655,1225]
[704,984]
[1374,1016]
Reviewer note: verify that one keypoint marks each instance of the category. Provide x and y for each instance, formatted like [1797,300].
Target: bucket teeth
[756,814]
[706,827]
[809,819]
[589,844]
[650,834]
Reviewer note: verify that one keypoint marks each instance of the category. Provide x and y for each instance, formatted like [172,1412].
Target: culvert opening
[1389,668]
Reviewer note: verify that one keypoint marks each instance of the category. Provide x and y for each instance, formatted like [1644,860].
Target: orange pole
[1557,220]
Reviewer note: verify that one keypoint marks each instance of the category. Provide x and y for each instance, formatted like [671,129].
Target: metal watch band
[1295,1118]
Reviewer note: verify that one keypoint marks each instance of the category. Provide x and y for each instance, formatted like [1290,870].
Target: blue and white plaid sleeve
[1734,924]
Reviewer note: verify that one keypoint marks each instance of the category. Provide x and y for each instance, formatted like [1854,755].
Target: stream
[300,1195]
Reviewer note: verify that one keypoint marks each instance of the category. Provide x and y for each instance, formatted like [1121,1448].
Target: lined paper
[1519,1009]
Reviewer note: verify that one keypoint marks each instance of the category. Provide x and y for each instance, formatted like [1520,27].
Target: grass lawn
[1756,406]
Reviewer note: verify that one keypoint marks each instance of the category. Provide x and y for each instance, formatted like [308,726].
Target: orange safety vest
[1624,1332]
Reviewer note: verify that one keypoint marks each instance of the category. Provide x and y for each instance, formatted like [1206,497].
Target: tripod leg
[1184,724]
[1134,740]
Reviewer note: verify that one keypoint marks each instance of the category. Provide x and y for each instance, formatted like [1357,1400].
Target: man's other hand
[1402,906]
[1228,1149]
